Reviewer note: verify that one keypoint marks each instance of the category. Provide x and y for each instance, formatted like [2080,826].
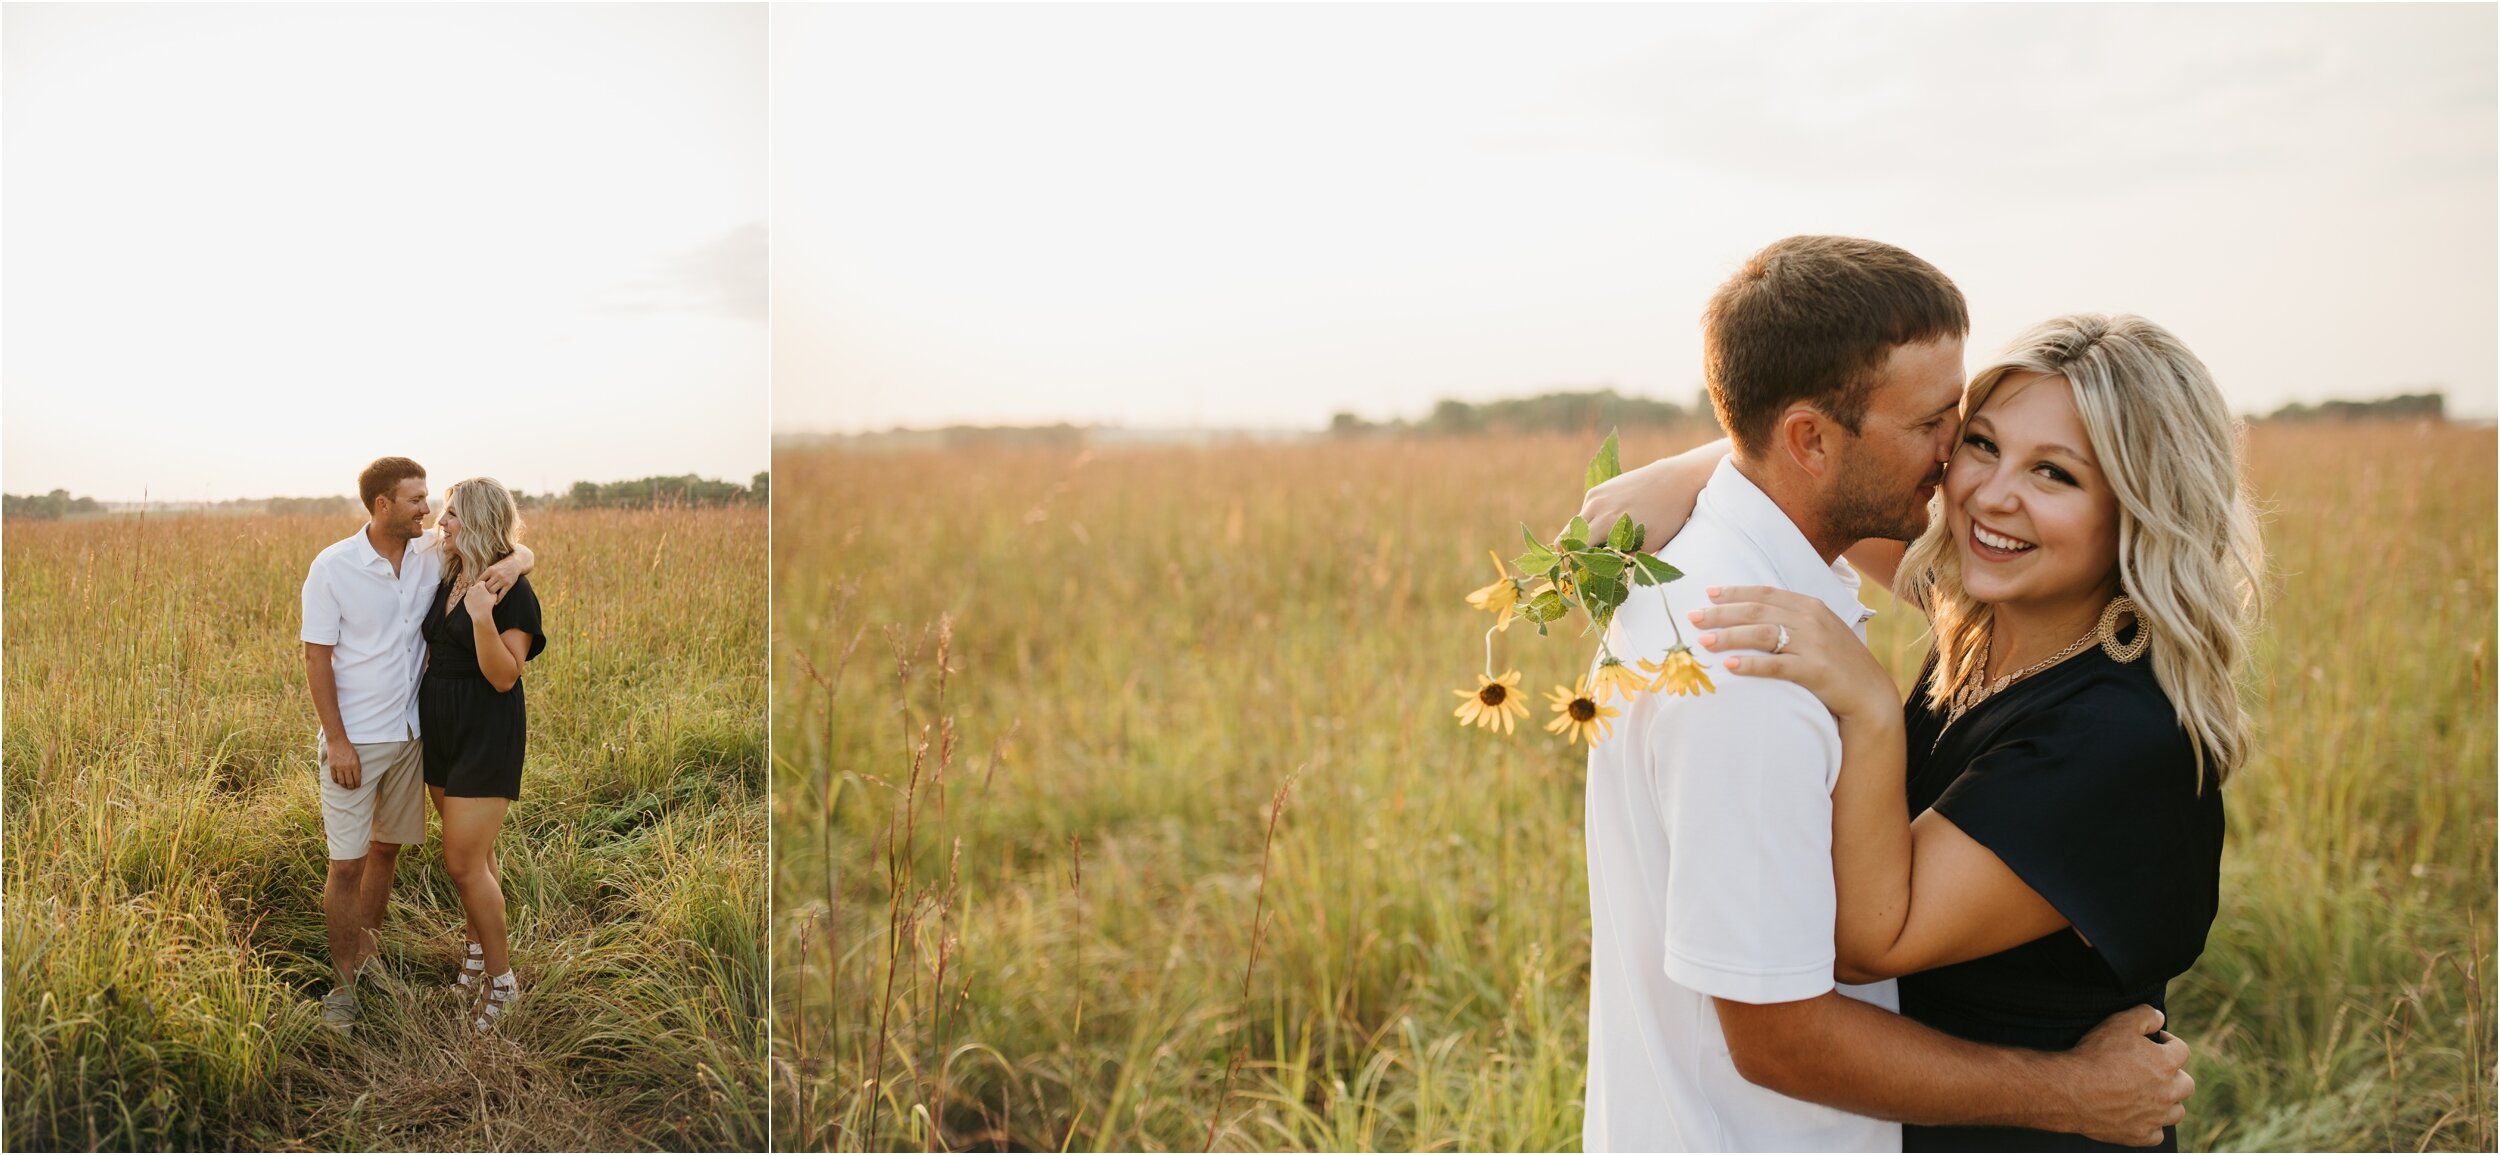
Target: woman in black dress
[476,720]
[2091,582]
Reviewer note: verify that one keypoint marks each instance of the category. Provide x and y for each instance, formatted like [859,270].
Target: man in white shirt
[1714,1019]
[364,599]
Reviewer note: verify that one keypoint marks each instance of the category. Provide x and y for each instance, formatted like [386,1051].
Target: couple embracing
[414,639]
[1826,919]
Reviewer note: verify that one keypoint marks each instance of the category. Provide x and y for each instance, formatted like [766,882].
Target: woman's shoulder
[520,606]
[2121,691]
[2114,721]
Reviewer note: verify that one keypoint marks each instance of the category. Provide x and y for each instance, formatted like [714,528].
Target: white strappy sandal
[473,969]
[500,991]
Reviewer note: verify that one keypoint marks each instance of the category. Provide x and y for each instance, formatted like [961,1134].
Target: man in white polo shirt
[1714,1021]
[364,598]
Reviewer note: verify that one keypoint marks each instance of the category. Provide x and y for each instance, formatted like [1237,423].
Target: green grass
[1037,932]
[164,857]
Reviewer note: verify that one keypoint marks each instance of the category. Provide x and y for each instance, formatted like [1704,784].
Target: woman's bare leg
[436,793]
[470,826]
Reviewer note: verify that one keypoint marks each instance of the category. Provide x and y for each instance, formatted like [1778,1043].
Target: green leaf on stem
[1575,536]
[1538,556]
[1626,535]
[1544,607]
[1603,595]
[1605,466]
[1650,571]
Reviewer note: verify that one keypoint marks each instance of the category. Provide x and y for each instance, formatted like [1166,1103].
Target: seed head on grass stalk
[1258,932]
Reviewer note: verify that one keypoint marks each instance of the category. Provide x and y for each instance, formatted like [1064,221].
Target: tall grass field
[1119,804]
[164,857]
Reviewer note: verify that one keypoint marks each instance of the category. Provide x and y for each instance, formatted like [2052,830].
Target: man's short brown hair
[384,476]
[1812,319]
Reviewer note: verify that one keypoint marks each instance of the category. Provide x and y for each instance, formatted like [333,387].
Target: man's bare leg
[342,907]
[373,895]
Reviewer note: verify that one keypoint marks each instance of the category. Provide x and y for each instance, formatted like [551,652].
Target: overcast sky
[248,249]
[1261,215]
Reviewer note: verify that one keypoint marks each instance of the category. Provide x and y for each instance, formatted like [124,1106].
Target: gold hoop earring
[2118,651]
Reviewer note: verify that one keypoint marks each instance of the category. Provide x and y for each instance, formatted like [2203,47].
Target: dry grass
[1016,904]
[164,856]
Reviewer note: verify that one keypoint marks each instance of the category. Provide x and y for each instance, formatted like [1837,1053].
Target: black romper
[474,734]
[2082,780]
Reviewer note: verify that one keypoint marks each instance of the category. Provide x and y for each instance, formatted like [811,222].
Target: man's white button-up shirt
[369,616]
[1710,859]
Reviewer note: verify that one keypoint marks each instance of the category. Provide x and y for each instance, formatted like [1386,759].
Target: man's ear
[1803,435]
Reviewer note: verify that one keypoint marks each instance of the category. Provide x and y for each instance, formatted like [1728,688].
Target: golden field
[1036,713]
[164,857]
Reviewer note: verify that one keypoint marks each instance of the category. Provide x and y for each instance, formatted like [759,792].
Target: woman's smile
[1990,546]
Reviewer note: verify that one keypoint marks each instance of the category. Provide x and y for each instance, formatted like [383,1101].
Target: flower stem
[1671,622]
[1488,653]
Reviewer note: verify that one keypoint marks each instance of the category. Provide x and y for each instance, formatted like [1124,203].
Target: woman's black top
[474,733]
[2083,781]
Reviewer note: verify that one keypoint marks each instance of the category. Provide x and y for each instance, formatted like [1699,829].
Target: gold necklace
[2104,632]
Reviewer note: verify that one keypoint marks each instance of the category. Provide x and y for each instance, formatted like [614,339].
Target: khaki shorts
[387,805]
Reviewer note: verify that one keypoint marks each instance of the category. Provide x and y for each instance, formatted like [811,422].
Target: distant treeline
[59,504]
[2401,407]
[293,506]
[1582,412]
[51,506]
[641,493]
[953,438]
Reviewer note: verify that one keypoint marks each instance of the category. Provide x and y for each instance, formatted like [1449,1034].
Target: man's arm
[500,576]
[346,768]
[2116,1086]
[320,635]
[1659,495]
[1878,558]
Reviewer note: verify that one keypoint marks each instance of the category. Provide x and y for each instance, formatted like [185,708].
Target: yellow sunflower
[1501,599]
[1614,679]
[1494,704]
[1577,715]
[1679,674]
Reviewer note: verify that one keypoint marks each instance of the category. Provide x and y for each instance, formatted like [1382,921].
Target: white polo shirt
[1710,860]
[370,616]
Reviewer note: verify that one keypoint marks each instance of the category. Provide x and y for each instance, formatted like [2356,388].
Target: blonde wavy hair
[490,521]
[2188,548]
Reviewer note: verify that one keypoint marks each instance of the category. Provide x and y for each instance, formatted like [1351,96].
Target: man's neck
[1791,491]
[391,546]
